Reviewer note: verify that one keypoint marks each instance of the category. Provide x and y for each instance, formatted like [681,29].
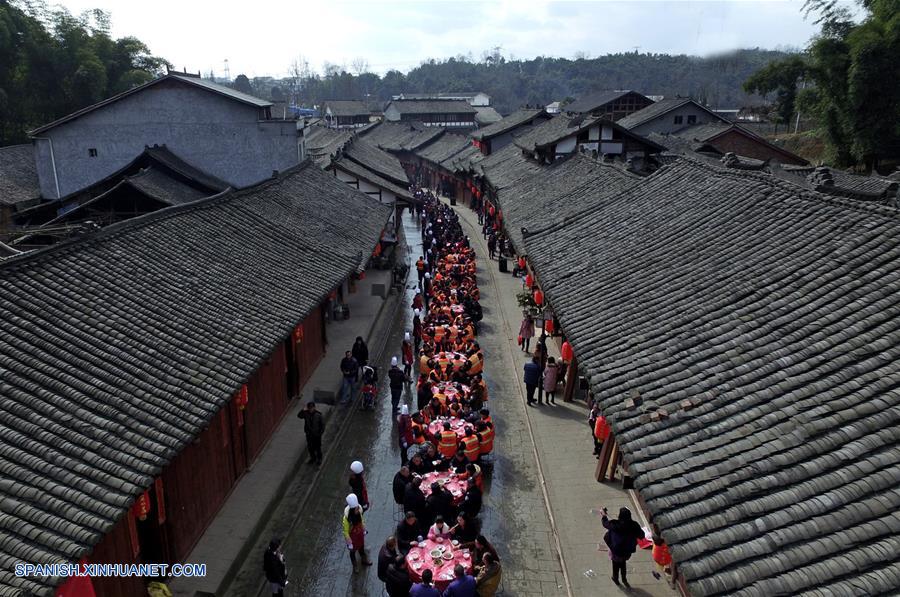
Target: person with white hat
[406,350]
[396,379]
[358,484]
[404,433]
[355,530]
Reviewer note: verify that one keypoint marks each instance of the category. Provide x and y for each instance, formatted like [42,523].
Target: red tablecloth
[452,484]
[456,424]
[443,573]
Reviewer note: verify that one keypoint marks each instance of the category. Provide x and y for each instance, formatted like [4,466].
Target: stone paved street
[540,455]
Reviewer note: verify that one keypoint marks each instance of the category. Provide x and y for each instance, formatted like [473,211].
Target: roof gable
[518,118]
[197,82]
[661,108]
[598,99]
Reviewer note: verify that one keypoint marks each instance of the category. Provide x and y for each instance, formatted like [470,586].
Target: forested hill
[716,80]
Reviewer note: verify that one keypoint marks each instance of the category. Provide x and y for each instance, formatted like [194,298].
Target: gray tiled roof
[372,157]
[118,348]
[18,175]
[555,129]
[346,108]
[486,115]
[592,101]
[659,108]
[323,143]
[516,119]
[432,106]
[443,148]
[558,192]
[353,168]
[838,182]
[764,319]
[565,125]
[400,136]
[506,167]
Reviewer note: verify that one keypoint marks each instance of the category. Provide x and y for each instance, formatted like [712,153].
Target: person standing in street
[314,427]
[526,332]
[417,329]
[621,538]
[406,351]
[420,268]
[404,433]
[275,568]
[492,245]
[355,531]
[532,378]
[357,484]
[360,352]
[550,377]
[396,379]
[349,370]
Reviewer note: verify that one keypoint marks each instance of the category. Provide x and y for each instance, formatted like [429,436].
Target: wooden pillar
[571,379]
[609,458]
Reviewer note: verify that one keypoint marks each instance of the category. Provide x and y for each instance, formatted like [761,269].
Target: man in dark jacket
[398,583]
[621,538]
[408,530]
[440,502]
[349,372]
[532,378]
[314,426]
[274,568]
[472,503]
[397,380]
[414,499]
[386,555]
[401,479]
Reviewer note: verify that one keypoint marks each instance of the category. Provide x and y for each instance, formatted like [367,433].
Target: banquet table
[452,483]
[419,559]
[456,424]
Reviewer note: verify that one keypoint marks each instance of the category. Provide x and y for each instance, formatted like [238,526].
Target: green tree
[782,78]
[53,63]
[853,68]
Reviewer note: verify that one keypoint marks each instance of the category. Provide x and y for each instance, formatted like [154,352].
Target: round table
[449,390]
[457,358]
[453,484]
[456,424]
[419,559]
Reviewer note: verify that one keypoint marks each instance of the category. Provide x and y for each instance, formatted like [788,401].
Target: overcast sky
[263,38]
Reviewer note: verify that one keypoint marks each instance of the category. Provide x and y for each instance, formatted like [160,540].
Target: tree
[360,66]
[242,84]
[782,78]
[54,63]
[853,68]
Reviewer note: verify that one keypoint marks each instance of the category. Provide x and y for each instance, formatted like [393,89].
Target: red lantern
[141,506]
[521,263]
[492,210]
[500,215]
[548,326]
[529,281]
[538,298]
[243,398]
[566,351]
